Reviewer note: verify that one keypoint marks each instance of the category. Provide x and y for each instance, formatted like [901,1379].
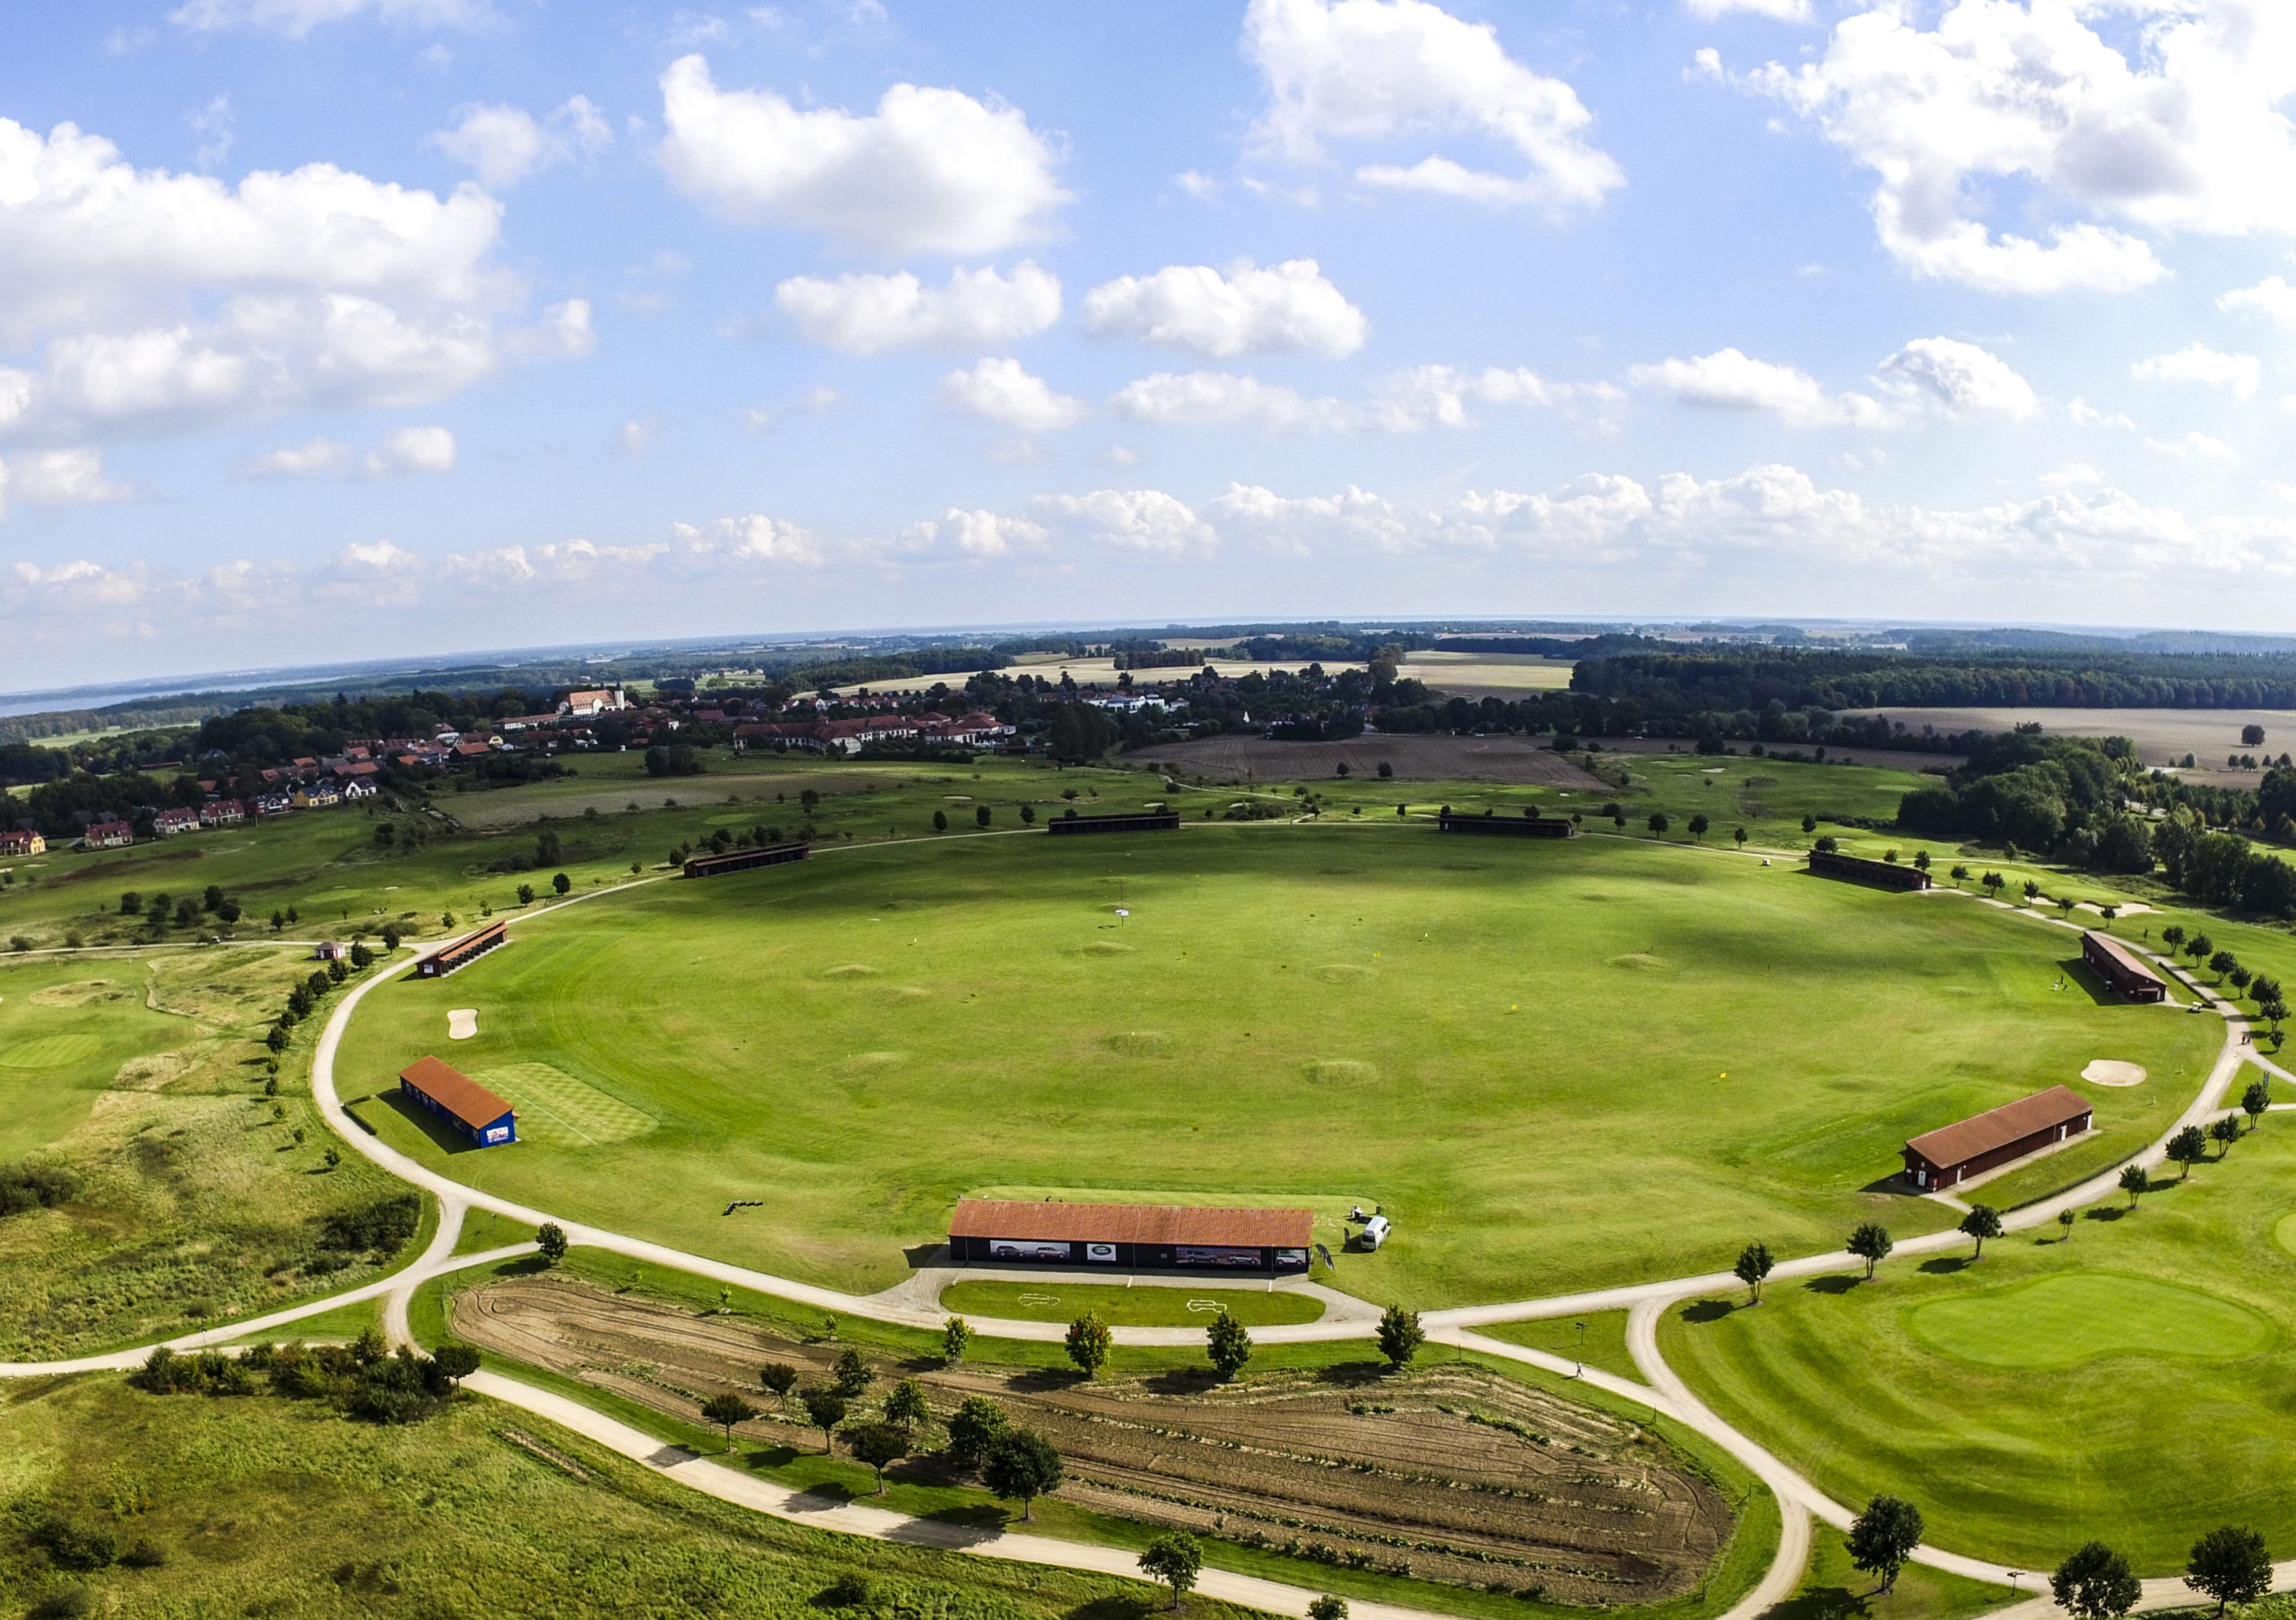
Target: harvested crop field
[1464,1475]
[1423,759]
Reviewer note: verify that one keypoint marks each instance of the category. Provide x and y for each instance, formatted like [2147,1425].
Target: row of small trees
[2229,1563]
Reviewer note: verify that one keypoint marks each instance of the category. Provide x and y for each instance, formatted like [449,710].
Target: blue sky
[348,327]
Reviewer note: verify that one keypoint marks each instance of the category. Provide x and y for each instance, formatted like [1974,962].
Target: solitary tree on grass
[905,1405]
[2225,1131]
[1400,1336]
[2256,1100]
[982,816]
[2222,965]
[2240,976]
[2230,1566]
[1328,1607]
[1658,823]
[777,1378]
[1754,1263]
[1021,1463]
[1994,880]
[2109,914]
[2173,936]
[725,1411]
[1174,1559]
[562,883]
[2187,1148]
[939,821]
[1089,1343]
[1740,834]
[1871,1243]
[973,1429]
[825,1408]
[2095,1584]
[880,1445]
[550,1241]
[454,1363]
[1960,874]
[2134,1182]
[2064,1219]
[852,1375]
[1698,826]
[525,894]
[1884,1536]
[1982,1222]
[2032,891]
[956,1334]
[1809,823]
[1921,860]
[1229,1345]
[2198,946]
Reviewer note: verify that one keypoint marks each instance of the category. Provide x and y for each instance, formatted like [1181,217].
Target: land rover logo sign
[1103,1253]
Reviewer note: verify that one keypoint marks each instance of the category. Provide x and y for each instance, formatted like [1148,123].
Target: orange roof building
[467,1107]
[1138,1237]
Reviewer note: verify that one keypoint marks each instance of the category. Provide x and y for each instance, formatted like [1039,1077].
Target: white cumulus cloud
[1285,308]
[2236,374]
[2171,123]
[1000,391]
[756,537]
[978,533]
[1198,399]
[1729,380]
[1964,377]
[160,302]
[930,172]
[1357,71]
[2272,297]
[1422,396]
[869,314]
[503,144]
[73,477]
[1141,520]
[413,450]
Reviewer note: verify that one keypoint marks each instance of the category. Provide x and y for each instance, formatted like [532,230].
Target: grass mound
[851,970]
[860,1066]
[2063,1320]
[1341,1071]
[555,1109]
[1140,1043]
[1344,972]
[1107,947]
[909,992]
[78,993]
[1640,962]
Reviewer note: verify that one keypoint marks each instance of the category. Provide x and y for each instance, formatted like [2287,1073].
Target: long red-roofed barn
[1950,1157]
[2125,973]
[465,1104]
[1141,1237]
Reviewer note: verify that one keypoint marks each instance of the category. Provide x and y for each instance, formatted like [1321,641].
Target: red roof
[455,1092]
[2011,1122]
[1132,1224]
[2136,966]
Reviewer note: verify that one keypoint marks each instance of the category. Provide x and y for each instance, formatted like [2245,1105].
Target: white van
[1374,1232]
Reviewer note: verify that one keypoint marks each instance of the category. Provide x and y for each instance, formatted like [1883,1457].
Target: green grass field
[1602,1346]
[2130,1383]
[260,1506]
[1145,1307]
[1556,1065]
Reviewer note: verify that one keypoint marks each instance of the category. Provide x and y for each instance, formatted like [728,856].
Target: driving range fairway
[1556,1065]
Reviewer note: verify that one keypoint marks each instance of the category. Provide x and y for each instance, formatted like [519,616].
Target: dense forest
[1726,679]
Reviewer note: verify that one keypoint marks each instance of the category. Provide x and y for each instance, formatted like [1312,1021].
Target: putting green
[2284,1234]
[1532,1120]
[2062,1320]
[555,1109]
[51,1051]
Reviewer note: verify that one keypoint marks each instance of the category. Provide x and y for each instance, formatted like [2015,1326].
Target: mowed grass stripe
[570,1113]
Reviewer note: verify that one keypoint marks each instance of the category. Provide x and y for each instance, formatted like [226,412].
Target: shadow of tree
[1945,1265]
[1832,1285]
[1707,1309]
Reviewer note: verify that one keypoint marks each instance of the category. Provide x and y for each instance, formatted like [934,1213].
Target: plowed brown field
[1458,1473]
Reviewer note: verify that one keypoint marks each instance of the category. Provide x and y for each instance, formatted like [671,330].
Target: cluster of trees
[31,1185]
[1752,677]
[161,910]
[365,1379]
[304,999]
